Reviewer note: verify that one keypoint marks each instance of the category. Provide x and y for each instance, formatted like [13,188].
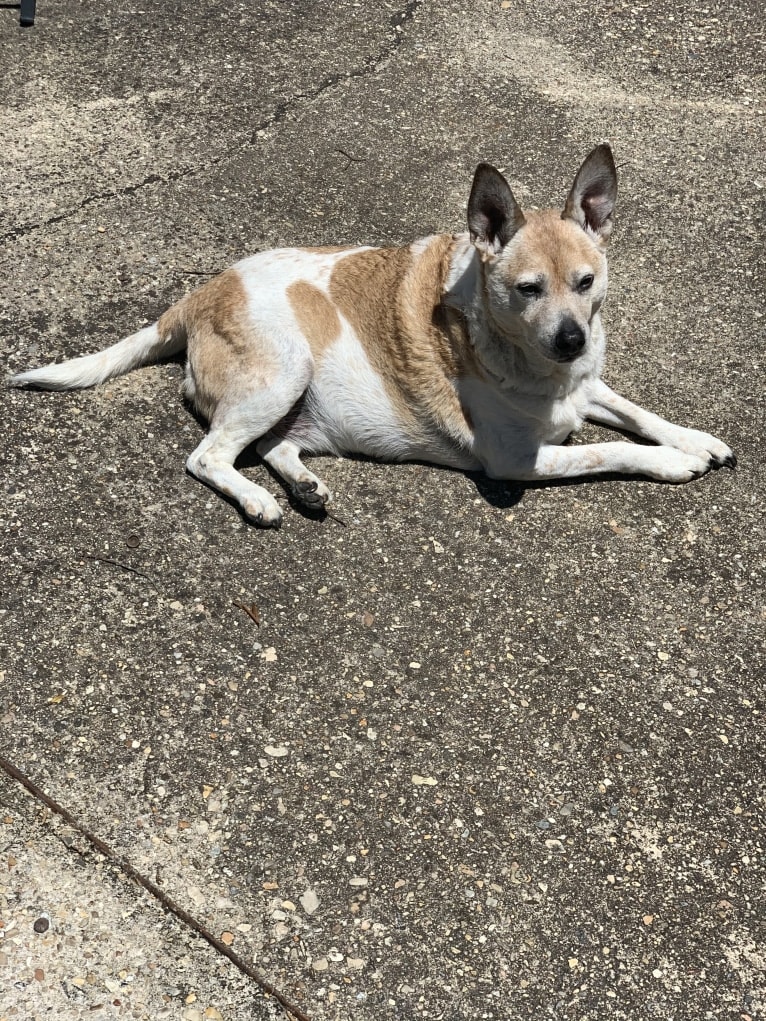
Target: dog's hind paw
[313,494]
[261,512]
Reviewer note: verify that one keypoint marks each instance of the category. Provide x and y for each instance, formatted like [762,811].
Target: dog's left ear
[591,201]
[494,215]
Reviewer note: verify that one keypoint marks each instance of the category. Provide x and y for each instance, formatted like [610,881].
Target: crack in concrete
[282,111]
[397,21]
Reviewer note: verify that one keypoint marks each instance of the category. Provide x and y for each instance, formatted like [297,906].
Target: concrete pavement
[492,752]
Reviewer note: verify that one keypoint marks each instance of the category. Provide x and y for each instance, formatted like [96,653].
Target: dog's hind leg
[284,457]
[213,463]
[233,427]
[245,377]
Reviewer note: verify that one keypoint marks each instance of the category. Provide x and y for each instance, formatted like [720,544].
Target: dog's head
[545,272]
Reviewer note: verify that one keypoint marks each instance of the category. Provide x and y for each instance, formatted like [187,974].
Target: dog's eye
[529,290]
[586,282]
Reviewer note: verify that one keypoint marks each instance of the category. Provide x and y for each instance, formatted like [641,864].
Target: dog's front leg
[665,463]
[609,408]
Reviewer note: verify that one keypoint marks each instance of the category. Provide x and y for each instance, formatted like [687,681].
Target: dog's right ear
[494,215]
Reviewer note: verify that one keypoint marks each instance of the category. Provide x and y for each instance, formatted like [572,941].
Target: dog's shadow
[499,494]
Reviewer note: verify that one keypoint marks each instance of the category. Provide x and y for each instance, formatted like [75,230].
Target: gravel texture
[490,751]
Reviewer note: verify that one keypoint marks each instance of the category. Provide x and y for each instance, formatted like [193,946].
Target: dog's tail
[164,338]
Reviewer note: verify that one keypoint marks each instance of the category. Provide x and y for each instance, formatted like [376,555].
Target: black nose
[569,341]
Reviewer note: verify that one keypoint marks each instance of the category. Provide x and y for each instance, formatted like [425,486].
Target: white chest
[510,425]
[565,417]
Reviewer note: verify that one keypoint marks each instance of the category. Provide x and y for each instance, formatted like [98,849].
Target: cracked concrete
[283,109]
[492,752]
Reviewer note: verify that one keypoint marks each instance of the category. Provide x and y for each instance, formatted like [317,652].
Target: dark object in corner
[27,12]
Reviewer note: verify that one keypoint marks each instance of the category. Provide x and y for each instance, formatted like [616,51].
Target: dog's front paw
[693,441]
[668,464]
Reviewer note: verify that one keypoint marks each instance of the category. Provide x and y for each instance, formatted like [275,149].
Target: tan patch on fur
[315,313]
[594,460]
[392,297]
[226,354]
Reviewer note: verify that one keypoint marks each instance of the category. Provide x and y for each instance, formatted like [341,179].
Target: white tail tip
[78,373]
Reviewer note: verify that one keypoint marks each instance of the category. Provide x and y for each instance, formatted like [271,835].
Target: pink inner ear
[597,209]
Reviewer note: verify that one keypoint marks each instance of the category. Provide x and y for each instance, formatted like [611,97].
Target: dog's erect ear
[594,194]
[494,215]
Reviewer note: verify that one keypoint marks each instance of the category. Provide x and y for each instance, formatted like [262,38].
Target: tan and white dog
[481,350]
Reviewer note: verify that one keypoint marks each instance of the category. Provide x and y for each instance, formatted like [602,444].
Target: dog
[480,351]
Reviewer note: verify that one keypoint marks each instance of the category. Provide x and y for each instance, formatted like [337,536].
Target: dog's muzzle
[569,341]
